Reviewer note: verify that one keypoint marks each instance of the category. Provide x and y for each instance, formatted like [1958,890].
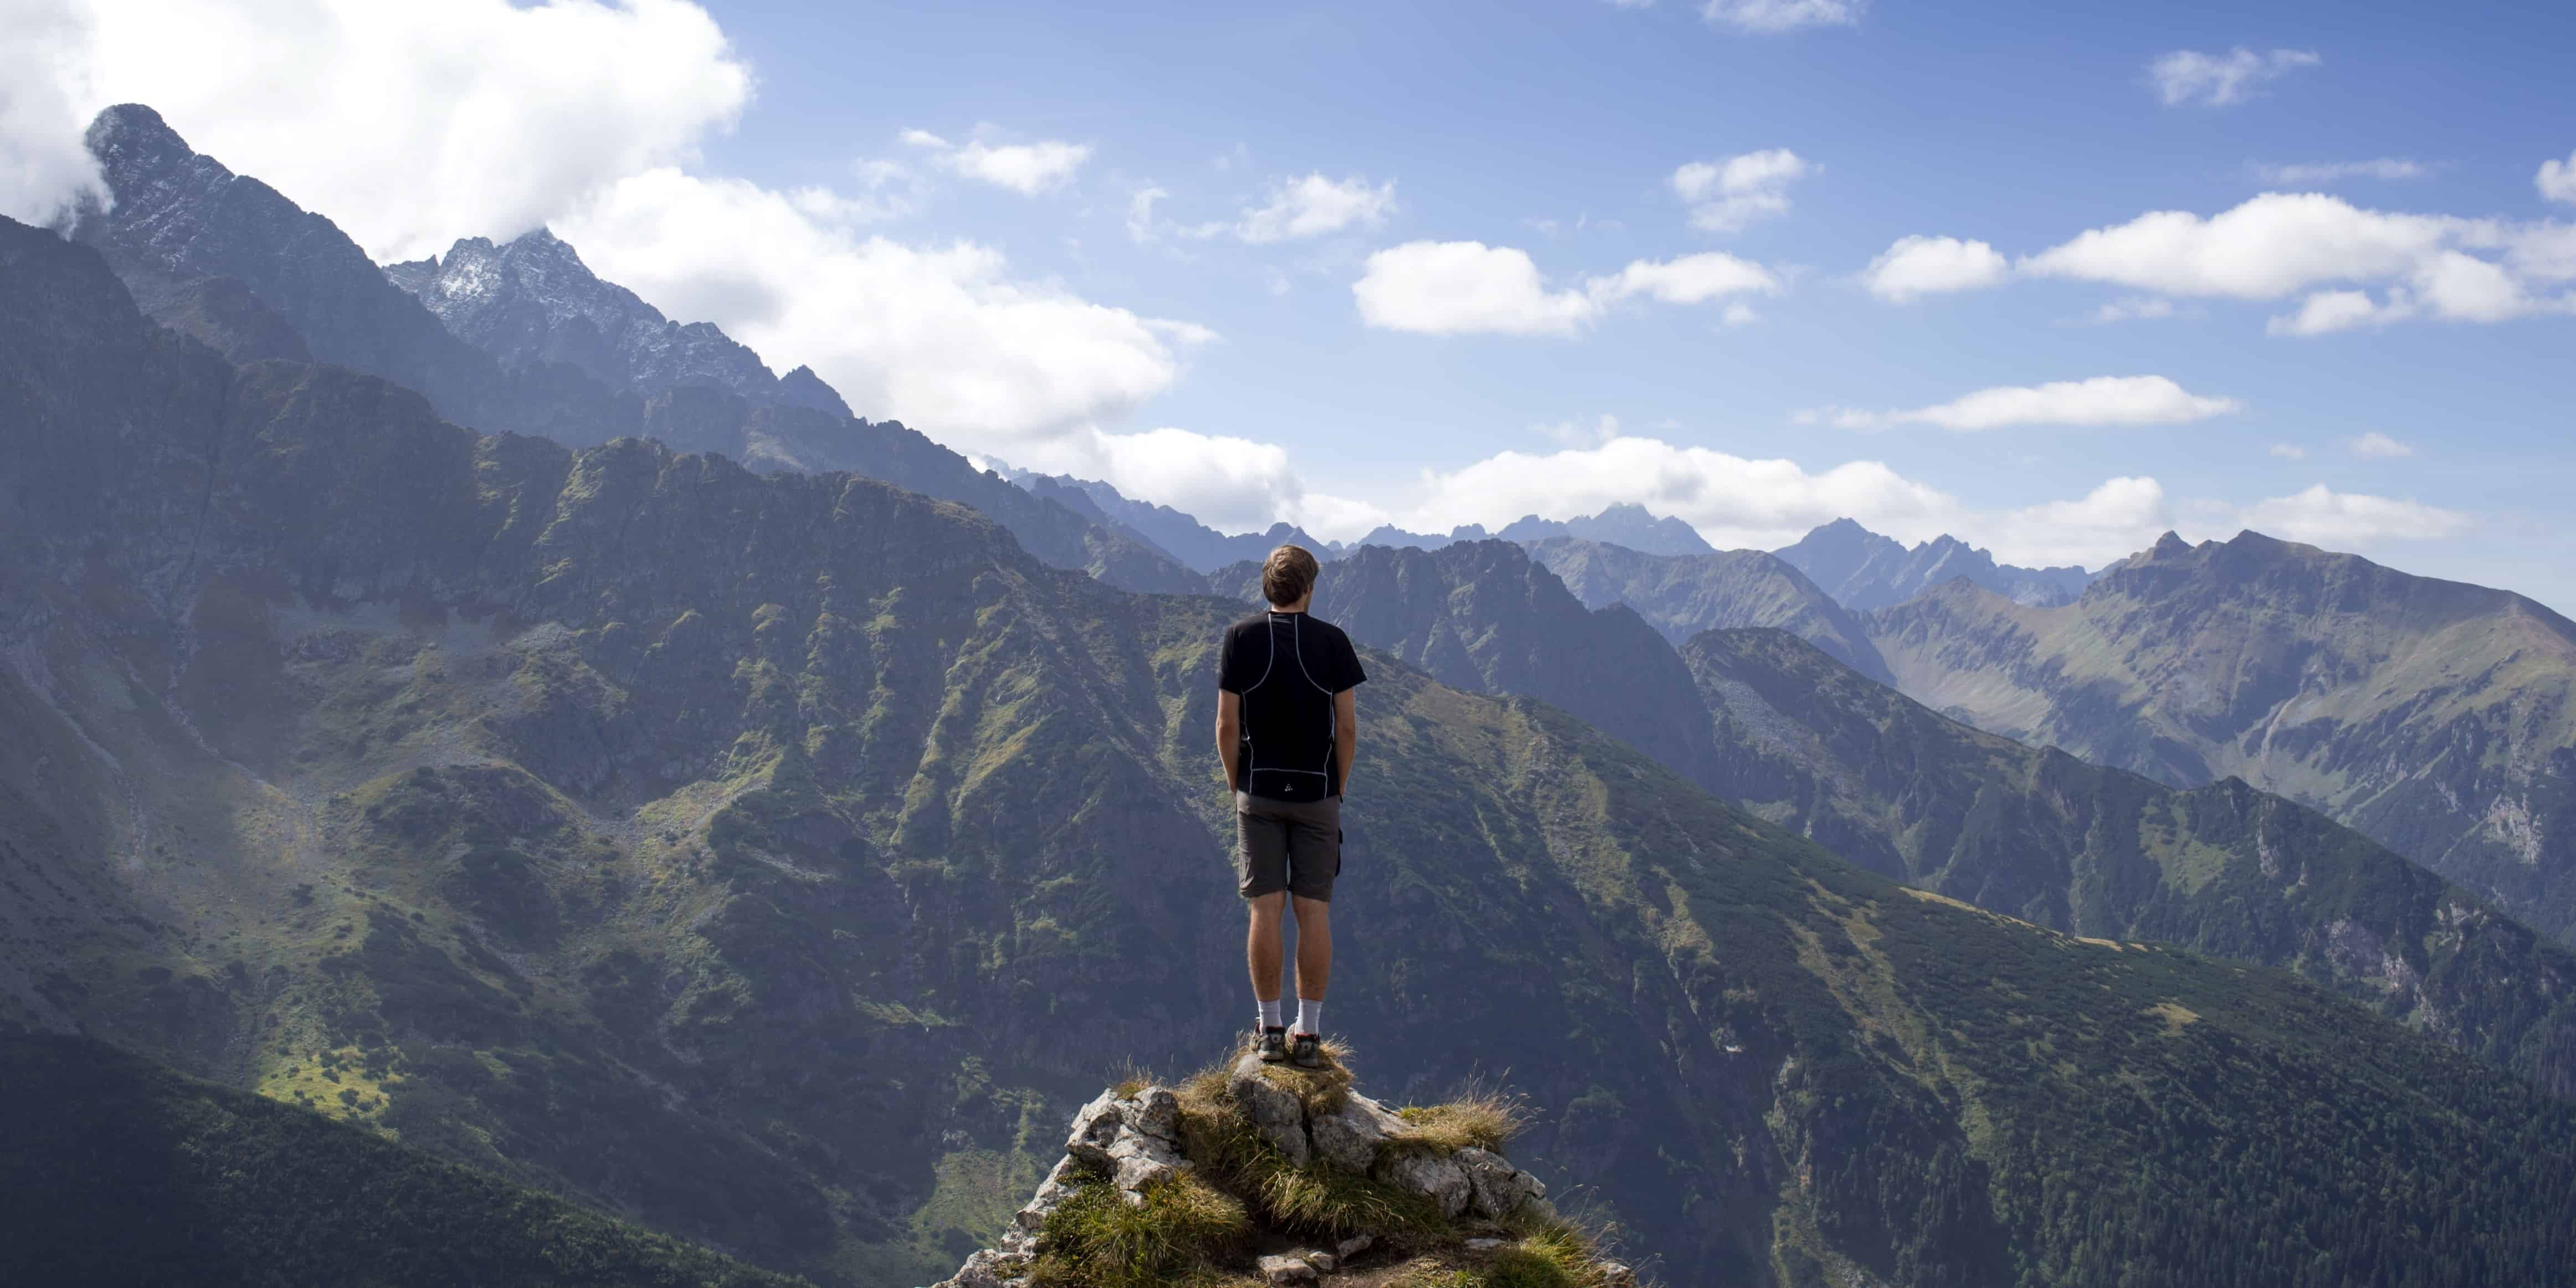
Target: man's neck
[1298,607]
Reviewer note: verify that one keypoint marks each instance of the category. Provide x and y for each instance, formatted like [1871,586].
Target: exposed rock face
[1274,1109]
[1864,570]
[1682,595]
[532,301]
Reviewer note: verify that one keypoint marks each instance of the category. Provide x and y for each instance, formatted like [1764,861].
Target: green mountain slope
[1686,594]
[2439,718]
[1873,776]
[779,859]
[120,1172]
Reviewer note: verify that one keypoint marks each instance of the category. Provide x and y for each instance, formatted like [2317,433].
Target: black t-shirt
[1287,667]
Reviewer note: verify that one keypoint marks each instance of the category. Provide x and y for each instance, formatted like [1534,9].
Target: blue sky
[938,207]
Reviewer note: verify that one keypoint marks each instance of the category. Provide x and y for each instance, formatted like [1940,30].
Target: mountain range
[761,851]
[773,858]
[1772,722]
[524,338]
[2433,715]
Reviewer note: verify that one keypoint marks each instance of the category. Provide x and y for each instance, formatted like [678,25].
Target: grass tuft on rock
[1181,1233]
[1308,1200]
[1322,1090]
[1479,1116]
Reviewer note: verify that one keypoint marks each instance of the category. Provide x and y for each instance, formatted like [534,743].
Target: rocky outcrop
[1132,1140]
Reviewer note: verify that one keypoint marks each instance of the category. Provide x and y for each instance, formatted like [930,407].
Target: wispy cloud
[2102,400]
[2390,168]
[1729,193]
[1780,15]
[2379,446]
[2218,80]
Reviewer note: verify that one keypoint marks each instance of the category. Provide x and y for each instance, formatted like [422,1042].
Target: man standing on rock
[1286,728]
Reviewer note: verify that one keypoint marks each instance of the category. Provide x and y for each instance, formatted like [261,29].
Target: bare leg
[1262,948]
[1314,948]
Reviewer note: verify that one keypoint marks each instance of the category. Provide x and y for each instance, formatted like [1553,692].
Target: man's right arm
[1229,730]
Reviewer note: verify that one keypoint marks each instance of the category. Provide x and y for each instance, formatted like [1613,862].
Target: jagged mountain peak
[1864,570]
[532,300]
[130,131]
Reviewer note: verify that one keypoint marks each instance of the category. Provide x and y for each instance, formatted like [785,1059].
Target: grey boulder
[1274,1110]
[1434,1176]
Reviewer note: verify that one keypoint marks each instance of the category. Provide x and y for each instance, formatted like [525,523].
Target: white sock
[1310,1015]
[1269,1012]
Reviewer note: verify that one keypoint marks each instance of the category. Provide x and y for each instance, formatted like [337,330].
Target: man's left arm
[1346,733]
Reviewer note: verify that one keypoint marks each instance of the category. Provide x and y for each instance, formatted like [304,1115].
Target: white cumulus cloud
[940,336]
[2379,445]
[1914,267]
[2324,517]
[1025,168]
[2216,80]
[1730,193]
[2557,179]
[1780,15]
[45,103]
[1465,287]
[2102,400]
[413,125]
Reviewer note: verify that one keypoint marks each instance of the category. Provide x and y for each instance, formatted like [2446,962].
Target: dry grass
[1183,1231]
[1478,1116]
[1315,1200]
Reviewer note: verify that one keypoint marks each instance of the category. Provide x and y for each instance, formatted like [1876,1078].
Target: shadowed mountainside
[122,1172]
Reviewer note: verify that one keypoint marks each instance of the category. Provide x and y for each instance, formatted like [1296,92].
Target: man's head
[1288,576]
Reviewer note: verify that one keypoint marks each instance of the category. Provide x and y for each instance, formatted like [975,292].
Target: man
[1286,728]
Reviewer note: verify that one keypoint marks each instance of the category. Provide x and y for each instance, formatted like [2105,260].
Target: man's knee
[1266,907]
[1312,912]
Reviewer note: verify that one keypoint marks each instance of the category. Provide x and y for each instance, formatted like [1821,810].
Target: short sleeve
[1352,675]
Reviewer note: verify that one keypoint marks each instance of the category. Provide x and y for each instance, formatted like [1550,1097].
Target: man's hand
[1229,732]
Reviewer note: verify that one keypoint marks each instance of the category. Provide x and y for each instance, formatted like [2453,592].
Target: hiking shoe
[1306,1050]
[1272,1045]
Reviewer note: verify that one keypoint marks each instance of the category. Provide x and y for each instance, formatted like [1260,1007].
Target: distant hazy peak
[1864,570]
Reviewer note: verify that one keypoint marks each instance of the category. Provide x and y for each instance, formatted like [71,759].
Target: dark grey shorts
[1288,845]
